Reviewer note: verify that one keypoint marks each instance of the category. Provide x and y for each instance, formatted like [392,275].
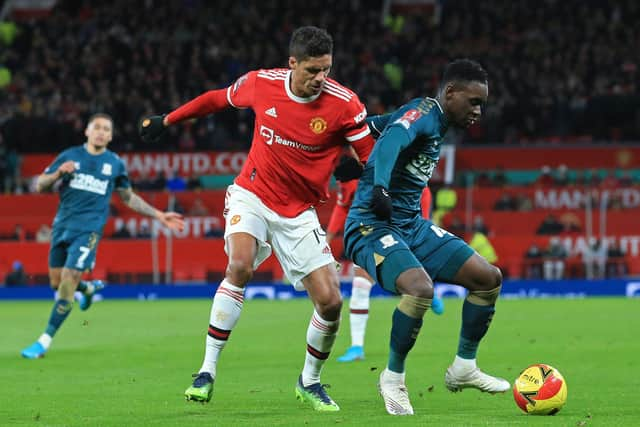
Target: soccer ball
[540,390]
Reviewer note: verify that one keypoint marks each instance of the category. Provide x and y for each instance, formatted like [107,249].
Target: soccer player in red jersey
[303,121]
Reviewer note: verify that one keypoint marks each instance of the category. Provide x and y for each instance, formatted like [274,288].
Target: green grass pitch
[127,363]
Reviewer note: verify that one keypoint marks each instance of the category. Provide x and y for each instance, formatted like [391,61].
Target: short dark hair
[100,116]
[310,42]
[464,70]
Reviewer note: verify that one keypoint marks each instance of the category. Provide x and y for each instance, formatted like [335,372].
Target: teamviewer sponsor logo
[267,134]
[270,136]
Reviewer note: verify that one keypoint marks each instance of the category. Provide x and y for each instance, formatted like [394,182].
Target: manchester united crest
[318,125]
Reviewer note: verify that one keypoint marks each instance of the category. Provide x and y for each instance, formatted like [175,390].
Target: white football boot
[474,378]
[395,395]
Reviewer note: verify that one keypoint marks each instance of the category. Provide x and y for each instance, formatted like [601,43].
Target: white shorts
[299,243]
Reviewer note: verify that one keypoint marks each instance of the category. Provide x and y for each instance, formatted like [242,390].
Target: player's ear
[292,62]
[449,90]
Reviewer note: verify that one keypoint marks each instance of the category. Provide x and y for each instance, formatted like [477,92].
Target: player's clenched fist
[381,203]
[151,128]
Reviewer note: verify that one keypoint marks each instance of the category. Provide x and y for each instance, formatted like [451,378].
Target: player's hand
[348,168]
[151,128]
[381,203]
[67,168]
[172,220]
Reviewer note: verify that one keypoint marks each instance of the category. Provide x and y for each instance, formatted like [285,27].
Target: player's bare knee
[328,305]
[415,282]
[239,272]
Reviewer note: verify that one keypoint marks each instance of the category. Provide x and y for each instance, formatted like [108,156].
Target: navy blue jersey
[403,159]
[85,194]
[377,124]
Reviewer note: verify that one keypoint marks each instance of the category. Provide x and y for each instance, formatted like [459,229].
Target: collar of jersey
[444,123]
[294,97]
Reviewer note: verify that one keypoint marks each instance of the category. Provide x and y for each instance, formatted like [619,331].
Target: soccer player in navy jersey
[386,234]
[362,283]
[89,174]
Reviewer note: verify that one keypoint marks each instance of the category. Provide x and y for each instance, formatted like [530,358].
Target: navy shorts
[73,249]
[386,250]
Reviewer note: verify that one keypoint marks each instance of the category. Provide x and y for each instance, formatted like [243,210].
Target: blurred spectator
[499,177]
[143,232]
[19,234]
[545,179]
[198,208]
[550,225]
[592,178]
[121,232]
[176,183]
[43,235]
[145,183]
[524,203]
[562,176]
[554,260]
[610,181]
[505,203]
[481,244]
[193,183]
[457,227]
[533,264]
[570,222]
[17,276]
[625,179]
[616,265]
[446,201]
[483,180]
[595,258]
[159,183]
[479,226]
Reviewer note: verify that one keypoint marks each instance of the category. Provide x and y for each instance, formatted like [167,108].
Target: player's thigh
[381,250]
[441,253]
[476,274]
[81,252]
[300,245]
[245,214]
[58,251]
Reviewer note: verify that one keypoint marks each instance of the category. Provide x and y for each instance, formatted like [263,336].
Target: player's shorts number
[85,251]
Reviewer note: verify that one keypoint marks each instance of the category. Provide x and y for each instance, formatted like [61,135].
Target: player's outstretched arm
[171,220]
[46,180]
[151,128]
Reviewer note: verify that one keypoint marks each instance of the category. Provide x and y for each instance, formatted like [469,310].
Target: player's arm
[378,123]
[46,180]
[171,220]
[238,95]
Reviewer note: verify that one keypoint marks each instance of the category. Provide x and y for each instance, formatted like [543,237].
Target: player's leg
[358,314]
[245,244]
[69,279]
[483,282]
[323,287]
[225,311]
[381,250]
[300,245]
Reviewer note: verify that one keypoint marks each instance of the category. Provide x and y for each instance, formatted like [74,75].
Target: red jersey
[296,141]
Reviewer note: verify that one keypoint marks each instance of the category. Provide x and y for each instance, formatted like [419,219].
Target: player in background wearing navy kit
[89,174]
[386,234]
[362,283]
[303,119]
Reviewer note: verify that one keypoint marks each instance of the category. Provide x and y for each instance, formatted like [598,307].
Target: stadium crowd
[558,70]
